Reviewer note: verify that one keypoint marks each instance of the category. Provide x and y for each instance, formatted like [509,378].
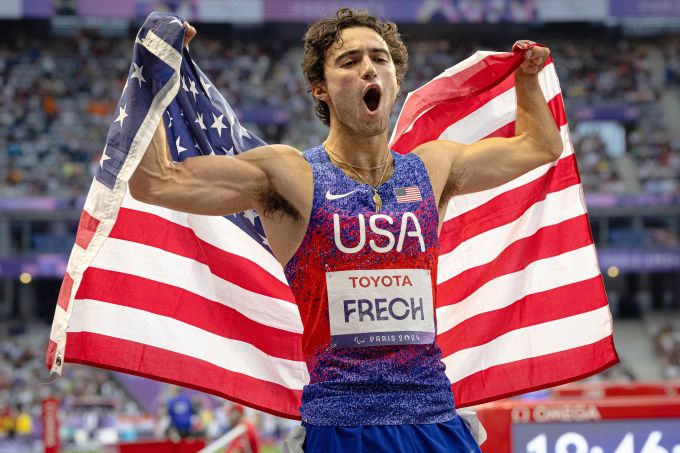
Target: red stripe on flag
[556,106]
[507,206]
[160,364]
[447,112]
[65,292]
[49,356]
[547,242]
[513,378]
[155,231]
[86,228]
[551,305]
[174,302]
[504,131]
[474,80]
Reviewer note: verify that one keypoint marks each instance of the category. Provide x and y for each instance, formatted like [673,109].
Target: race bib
[380,307]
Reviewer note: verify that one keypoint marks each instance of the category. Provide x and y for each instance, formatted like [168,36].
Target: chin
[371,130]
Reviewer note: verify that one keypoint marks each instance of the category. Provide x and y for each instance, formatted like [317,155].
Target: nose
[368,71]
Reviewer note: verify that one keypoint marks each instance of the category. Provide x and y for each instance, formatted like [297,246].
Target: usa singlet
[365,285]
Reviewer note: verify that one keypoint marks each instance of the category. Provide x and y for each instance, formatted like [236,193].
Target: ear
[319,91]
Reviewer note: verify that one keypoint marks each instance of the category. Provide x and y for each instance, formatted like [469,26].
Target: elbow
[555,150]
[552,148]
[143,188]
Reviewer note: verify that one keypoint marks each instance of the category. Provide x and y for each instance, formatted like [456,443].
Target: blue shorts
[451,437]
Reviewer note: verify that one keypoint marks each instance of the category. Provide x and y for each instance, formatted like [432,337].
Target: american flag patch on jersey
[408,194]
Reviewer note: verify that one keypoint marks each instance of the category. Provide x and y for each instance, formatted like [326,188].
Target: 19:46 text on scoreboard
[573,442]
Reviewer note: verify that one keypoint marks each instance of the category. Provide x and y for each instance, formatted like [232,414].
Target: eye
[348,63]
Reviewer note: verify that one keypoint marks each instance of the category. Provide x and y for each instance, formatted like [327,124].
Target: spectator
[182,414]
[251,442]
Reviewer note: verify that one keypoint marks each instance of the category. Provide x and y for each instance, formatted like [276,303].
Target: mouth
[372,98]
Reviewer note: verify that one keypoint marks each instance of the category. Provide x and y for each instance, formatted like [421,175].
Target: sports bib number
[380,307]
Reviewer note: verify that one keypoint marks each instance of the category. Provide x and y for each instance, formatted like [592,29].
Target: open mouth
[372,99]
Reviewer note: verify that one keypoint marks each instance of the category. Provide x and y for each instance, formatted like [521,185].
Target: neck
[357,150]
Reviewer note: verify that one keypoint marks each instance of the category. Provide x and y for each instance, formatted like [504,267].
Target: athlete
[356,228]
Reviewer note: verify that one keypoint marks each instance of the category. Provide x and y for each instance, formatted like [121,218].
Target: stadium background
[63,64]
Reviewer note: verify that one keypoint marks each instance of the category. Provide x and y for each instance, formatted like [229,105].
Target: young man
[361,262]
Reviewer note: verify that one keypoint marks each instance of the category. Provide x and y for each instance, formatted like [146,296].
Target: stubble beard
[352,121]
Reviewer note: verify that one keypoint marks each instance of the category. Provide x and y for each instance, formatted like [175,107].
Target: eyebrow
[356,51]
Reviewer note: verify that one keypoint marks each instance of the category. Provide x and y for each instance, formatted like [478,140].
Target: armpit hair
[452,187]
[275,206]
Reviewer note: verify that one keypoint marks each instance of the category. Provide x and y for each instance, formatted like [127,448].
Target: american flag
[200,301]
[408,194]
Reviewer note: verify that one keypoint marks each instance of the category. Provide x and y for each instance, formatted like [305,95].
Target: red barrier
[162,446]
[50,422]
[616,389]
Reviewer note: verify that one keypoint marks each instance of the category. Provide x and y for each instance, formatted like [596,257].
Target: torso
[295,188]
[378,273]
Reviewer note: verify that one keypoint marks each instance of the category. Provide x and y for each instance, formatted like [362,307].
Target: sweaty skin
[277,177]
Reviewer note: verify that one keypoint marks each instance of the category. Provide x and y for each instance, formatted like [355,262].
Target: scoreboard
[648,423]
[630,436]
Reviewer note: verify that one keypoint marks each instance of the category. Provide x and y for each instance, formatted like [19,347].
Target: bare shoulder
[439,151]
[441,159]
[267,153]
[276,162]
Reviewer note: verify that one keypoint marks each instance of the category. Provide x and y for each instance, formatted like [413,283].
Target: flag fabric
[200,301]
[408,194]
[520,300]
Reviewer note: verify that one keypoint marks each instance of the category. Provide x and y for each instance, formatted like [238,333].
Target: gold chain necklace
[376,196]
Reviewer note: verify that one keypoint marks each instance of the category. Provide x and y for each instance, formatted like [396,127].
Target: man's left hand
[534,57]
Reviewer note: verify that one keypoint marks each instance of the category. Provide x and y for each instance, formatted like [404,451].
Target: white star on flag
[206,86]
[137,74]
[193,89]
[180,148]
[199,120]
[104,158]
[121,115]
[250,215]
[184,85]
[241,131]
[218,124]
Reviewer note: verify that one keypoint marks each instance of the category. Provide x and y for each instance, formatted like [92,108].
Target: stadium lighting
[25,278]
[613,272]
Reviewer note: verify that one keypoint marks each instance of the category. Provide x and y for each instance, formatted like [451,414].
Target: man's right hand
[189,33]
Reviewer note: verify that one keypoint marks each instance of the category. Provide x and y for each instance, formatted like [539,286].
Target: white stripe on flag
[497,112]
[541,275]
[528,342]
[485,247]
[216,231]
[165,267]
[461,204]
[170,334]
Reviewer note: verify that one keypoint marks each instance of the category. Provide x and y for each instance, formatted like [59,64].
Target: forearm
[535,123]
[154,170]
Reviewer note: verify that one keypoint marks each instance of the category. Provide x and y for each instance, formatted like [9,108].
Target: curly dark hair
[324,33]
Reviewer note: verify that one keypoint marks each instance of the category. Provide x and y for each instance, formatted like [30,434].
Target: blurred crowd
[96,409]
[667,343]
[58,97]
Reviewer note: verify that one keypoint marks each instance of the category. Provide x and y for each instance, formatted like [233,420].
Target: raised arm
[491,162]
[209,185]
[216,185]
